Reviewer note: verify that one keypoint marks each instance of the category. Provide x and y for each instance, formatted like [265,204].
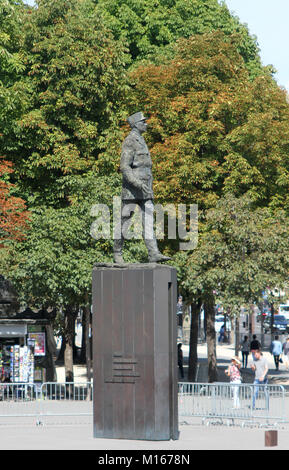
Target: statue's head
[138,121]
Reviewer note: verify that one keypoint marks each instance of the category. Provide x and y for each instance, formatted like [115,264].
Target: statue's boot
[118,259]
[158,257]
[154,255]
[117,252]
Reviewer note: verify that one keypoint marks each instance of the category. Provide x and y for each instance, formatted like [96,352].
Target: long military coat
[136,168]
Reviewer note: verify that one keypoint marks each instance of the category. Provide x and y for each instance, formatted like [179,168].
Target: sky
[268,20]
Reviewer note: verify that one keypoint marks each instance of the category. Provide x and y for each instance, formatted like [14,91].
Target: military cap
[136,117]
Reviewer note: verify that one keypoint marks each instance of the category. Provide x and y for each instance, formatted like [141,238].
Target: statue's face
[141,126]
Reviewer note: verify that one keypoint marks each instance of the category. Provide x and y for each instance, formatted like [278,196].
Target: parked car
[284,310]
[280,324]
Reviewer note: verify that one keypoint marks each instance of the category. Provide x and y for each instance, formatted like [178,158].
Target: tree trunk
[237,334]
[87,338]
[209,307]
[272,321]
[75,349]
[51,375]
[262,332]
[194,332]
[69,332]
[83,338]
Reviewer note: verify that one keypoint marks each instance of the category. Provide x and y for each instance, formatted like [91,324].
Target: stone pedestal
[135,352]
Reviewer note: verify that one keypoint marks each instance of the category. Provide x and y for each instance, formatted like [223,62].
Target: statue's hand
[142,186]
[145,188]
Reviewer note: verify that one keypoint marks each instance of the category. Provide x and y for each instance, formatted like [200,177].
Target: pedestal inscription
[123,370]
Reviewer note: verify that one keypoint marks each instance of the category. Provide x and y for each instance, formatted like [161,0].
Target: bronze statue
[136,168]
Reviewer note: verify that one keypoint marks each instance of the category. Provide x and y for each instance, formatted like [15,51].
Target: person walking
[245,348]
[260,367]
[222,334]
[254,346]
[234,373]
[276,351]
[285,349]
[180,360]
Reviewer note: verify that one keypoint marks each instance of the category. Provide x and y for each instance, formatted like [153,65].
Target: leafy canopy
[72,89]
[13,213]
[151,27]
[212,129]
[73,86]
[241,252]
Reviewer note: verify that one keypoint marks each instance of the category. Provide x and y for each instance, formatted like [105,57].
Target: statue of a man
[136,168]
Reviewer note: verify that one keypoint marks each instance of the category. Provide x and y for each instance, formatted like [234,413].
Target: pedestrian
[260,366]
[254,346]
[245,348]
[180,360]
[285,349]
[276,351]
[222,334]
[234,373]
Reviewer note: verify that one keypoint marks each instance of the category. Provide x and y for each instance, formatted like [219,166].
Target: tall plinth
[135,393]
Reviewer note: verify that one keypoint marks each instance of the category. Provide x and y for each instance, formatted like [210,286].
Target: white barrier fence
[246,402]
[45,400]
[262,404]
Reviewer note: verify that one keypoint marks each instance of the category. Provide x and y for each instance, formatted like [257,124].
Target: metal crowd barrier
[32,400]
[26,392]
[17,392]
[67,399]
[66,391]
[17,400]
[262,404]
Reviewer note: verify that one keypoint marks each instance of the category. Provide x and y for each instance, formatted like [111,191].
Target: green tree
[11,61]
[73,87]
[212,129]
[242,250]
[13,214]
[151,27]
[53,266]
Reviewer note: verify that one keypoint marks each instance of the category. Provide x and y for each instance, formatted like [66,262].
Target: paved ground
[78,436]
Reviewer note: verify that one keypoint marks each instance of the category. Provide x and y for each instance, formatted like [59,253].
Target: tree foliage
[70,72]
[213,130]
[73,86]
[13,213]
[11,66]
[10,58]
[54,264]
[72,89]
[151,27]
[241,251]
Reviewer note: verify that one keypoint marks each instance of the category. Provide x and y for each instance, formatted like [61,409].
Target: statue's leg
[117,251]
[118,240]
[149,237]
[127,211]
